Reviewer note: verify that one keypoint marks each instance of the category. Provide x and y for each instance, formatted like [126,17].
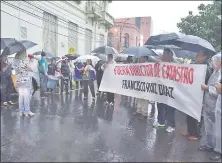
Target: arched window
[110,39]
[126,40]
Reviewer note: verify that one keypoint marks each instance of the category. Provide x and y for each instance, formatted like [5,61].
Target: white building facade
[57,26]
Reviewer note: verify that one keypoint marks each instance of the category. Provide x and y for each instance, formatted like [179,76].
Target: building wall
[29,14]
[130,29]
[143,24]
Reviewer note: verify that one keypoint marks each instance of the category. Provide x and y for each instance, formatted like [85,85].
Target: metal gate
[50,33]
[88,41]
[72,32]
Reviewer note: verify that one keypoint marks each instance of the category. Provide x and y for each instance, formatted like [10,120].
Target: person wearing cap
[166,112]
[142,105]
[110,96]
[43,73]
[24,87]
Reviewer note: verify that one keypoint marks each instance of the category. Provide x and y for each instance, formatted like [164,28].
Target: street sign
[71,51]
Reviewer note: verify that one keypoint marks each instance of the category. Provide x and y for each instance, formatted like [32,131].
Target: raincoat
[209,108]
[218,125]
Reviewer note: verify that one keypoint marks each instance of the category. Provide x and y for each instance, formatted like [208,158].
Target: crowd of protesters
[84,75]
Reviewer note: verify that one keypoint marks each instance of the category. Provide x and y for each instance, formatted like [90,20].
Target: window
[50,33]
[136,40]
[73,34]
[101,40]
[88,41]
[126,40]
[110,39]
[23,33]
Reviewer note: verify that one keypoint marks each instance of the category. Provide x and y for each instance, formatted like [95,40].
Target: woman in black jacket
[5,81]
[99,74]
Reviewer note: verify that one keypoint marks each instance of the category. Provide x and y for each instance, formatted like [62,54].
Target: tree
[206,24]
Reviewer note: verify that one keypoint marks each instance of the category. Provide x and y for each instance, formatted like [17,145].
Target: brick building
[131,30]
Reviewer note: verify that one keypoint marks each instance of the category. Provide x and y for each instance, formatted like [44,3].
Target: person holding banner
[142,105]
[216,156]
[166,112]
[192,124]
[110,96]
[208,141]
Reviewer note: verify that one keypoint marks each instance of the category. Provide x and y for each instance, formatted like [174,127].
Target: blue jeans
[208,130]
[24,99]
[166,112]
[43,83]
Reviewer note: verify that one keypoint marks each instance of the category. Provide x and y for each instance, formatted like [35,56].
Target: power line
[42,27]
[57,11]
[39,17]
[99,35]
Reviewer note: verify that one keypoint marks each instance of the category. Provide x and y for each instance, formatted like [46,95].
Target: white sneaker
[21,114]
[31,114]
[170,129]
[26,115]
[106,103]
[156,124]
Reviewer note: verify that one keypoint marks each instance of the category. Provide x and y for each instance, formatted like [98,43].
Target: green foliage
[206,24]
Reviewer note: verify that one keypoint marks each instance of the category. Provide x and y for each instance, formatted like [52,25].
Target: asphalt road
[66,128]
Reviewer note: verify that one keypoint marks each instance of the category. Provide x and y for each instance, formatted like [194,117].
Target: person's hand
[218,87]
[203,87]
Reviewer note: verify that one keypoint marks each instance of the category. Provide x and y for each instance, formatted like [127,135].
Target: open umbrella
[138,51]
[162,39]
[101,56]
[122,57]
[83,58]
[48,55]
[105,50]
[17,47]
[193,44]
[6,42]
[72,56]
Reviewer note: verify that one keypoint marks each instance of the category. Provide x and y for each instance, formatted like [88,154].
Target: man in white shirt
[110,96]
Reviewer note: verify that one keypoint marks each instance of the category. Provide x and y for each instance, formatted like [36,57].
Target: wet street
[66,128]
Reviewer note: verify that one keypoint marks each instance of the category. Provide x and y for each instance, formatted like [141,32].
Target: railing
[92,7]
[109,18]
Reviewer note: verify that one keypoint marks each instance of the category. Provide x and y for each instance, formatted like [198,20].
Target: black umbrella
[105,50]
[6,42]
[122,57]
[48,55]
[193,44]
[163,39]
[72,56]
[138,51]
[18,46]
[180,53]
[101,56]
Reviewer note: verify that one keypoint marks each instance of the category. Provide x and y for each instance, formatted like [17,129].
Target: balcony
[93,10]
[107,19]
